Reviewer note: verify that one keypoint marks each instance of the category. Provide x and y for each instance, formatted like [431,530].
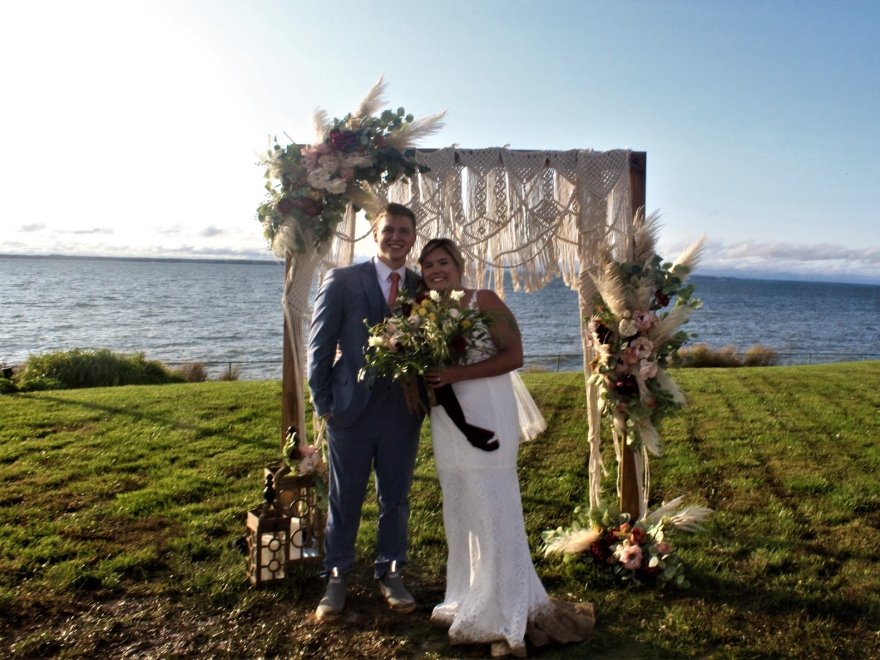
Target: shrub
[701,355]
[6,385]
[760,356]
[193,372]
[232,373]
[91,368]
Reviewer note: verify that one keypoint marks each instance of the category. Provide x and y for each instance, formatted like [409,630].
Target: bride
[493,594]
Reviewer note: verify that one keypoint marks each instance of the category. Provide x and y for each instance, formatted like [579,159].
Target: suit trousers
[384,438]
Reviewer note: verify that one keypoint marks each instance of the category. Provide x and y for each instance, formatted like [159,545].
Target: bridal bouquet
[430,331]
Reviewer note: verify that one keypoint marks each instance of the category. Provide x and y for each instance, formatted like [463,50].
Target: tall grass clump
[193,372]
[78,368]
[702,355]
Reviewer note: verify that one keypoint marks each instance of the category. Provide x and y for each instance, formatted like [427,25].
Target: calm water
[218,313]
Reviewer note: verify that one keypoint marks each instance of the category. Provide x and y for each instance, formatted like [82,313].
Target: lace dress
[492,590]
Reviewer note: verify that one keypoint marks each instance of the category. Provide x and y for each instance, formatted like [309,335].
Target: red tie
[395,287]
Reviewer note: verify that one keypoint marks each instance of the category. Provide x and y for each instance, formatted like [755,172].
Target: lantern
[297,498]
[268,539]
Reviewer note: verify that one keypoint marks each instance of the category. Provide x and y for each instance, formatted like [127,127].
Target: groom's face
[395,235]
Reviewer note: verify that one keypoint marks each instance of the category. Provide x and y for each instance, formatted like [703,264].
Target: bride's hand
[437,378]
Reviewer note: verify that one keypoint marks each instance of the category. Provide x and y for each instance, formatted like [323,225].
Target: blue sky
[133,128]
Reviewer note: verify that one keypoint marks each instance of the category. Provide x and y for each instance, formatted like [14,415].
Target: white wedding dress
[492,590]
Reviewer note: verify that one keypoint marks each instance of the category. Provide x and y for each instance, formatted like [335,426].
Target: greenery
[90,368]
[119,508]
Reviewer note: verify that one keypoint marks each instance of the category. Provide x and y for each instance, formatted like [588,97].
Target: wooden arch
[293,378]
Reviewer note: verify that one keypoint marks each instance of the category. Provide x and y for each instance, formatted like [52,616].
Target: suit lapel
[373,292]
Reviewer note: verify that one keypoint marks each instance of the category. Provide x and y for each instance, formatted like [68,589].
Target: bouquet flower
[430,331]
[639,553]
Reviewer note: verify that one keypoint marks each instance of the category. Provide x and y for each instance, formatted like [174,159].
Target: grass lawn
[119,508]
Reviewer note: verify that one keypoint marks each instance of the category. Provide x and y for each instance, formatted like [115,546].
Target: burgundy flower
[661,298]
[626,385]
[343,140]
[458,344]
[284,205]
[601,550]
[637,536]
[648,573]
[309,205]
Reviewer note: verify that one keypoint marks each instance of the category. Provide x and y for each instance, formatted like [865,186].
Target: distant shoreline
[760,276]
[207,260]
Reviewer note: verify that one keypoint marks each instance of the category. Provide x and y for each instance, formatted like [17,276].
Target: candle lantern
[298,499]
[268,539]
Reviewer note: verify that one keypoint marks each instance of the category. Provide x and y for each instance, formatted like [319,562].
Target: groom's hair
[396,209]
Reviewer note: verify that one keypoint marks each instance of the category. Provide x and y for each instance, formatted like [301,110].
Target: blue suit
[368,427]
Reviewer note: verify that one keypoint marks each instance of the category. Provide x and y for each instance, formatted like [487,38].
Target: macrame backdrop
[535,214]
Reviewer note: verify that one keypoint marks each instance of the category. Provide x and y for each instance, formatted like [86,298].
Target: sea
[228,316]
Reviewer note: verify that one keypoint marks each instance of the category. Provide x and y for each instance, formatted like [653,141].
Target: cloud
[88,232]
[211,231]
[33,227]
[819,260]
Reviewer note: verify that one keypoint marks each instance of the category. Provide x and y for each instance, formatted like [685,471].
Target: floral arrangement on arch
[641,302]
[432,330]
[309,186]
[634,334]
[636,553]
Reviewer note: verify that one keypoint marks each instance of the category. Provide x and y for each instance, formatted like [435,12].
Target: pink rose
[647,369]
[664,548]
[644,320]
[630,355]
[631,557]
[642,347]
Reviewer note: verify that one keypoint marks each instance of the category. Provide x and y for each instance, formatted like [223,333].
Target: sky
[134,128]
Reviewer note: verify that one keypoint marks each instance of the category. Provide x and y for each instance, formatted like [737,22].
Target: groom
[368,427]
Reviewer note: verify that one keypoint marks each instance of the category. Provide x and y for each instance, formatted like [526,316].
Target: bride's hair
[446,244]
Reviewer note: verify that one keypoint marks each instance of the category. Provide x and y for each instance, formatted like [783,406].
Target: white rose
[375,342]
[318,179]
[454,313]
[457,295]
[627,328]
[328,163]
[434,295]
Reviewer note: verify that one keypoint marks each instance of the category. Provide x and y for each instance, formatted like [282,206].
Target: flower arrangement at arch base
[634,335]
[636,553]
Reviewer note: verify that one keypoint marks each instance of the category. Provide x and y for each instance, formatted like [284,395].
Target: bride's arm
[505,333]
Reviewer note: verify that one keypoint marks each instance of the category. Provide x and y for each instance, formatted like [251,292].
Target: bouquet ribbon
[479,437]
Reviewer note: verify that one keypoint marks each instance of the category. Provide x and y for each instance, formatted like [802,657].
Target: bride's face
[440,272]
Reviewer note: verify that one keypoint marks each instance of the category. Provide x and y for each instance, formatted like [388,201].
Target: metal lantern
[268,539]
[297,498]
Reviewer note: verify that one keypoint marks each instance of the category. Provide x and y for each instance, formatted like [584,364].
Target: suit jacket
[349,300]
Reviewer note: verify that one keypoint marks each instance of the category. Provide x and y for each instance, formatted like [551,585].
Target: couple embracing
[493,594]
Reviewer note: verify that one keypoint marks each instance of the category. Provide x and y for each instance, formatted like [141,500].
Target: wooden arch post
[289,396]
[630,500]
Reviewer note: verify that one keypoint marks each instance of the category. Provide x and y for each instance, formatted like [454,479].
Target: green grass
[119,508]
